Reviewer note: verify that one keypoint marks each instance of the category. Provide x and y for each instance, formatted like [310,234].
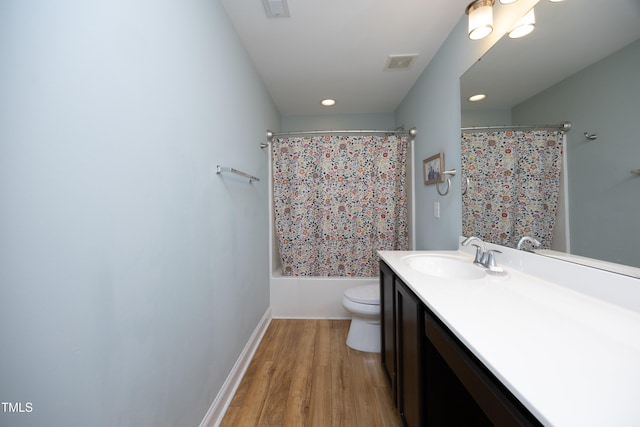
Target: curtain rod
[564,127]
[270,135]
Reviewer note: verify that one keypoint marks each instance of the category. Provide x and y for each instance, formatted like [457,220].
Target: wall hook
[591,136]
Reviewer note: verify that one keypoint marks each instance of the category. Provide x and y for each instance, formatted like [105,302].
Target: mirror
[581,64]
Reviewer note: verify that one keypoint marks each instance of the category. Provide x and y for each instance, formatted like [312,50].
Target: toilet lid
[364,294]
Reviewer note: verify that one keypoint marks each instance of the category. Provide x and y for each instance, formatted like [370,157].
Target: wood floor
[303,374]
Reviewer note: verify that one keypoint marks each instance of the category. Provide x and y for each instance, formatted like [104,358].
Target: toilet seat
[367,311]
[364,294]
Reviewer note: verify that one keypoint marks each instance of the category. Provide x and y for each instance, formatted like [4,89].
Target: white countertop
[570,358]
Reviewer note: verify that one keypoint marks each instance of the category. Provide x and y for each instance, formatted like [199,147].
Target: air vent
[276,8]
[400,62]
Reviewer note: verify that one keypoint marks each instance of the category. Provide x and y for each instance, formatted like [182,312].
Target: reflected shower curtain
[338,200]
[514,181]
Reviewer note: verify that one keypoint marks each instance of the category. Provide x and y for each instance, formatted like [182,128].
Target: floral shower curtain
[337,200]
[514,181]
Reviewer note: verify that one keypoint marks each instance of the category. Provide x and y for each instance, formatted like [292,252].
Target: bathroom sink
[445,267]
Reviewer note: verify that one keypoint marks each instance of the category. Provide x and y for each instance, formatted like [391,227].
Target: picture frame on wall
[432,168]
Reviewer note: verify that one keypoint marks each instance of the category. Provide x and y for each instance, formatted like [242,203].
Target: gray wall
[433,106]
[604,198]
[373,121]
[486,117]
[131,275]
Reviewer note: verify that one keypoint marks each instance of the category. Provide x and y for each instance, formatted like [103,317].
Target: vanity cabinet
[435,379]
[388,327]
[460,389]
[409,313]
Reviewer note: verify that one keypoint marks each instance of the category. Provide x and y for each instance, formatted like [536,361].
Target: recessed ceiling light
[478,97]
[328,102]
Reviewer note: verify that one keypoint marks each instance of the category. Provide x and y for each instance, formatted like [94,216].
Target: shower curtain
[514,181]
[338,200]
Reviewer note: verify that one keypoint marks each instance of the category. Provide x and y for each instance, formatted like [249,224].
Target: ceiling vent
[400,62]
[276,8]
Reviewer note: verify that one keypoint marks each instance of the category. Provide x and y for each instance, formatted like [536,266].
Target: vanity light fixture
[524,26]
[478,97]
[480,18]
[328,102]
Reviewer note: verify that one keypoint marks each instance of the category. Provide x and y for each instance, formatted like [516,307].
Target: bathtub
[311,297]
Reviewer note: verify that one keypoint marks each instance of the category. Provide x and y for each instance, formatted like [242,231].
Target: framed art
[432,169]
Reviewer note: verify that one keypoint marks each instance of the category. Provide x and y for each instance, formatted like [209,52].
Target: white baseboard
[218,408]
[311,318]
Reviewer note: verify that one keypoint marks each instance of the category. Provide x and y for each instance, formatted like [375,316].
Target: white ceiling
[338,49]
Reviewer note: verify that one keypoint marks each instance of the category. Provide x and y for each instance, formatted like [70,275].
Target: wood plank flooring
[303,374]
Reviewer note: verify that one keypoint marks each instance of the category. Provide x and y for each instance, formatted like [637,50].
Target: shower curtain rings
[451,172]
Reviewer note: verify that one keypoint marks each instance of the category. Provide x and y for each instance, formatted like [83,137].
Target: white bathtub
[311,297]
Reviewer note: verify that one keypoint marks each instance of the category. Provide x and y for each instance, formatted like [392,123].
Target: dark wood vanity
[435,380]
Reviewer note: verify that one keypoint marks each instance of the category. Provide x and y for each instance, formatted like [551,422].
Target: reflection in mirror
[567,71]
[514,185]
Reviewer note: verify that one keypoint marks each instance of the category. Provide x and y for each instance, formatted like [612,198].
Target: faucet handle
[480,254]
[489,259]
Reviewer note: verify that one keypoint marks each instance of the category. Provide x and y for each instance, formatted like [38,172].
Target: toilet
[363,302]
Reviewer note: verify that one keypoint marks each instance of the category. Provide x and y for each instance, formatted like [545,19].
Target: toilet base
[364,335]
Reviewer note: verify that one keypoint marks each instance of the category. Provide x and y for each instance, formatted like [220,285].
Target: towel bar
[237,172]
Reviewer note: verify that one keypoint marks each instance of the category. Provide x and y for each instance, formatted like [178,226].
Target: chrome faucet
[535,242]
[484,257]
[481,249]
[489,260]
